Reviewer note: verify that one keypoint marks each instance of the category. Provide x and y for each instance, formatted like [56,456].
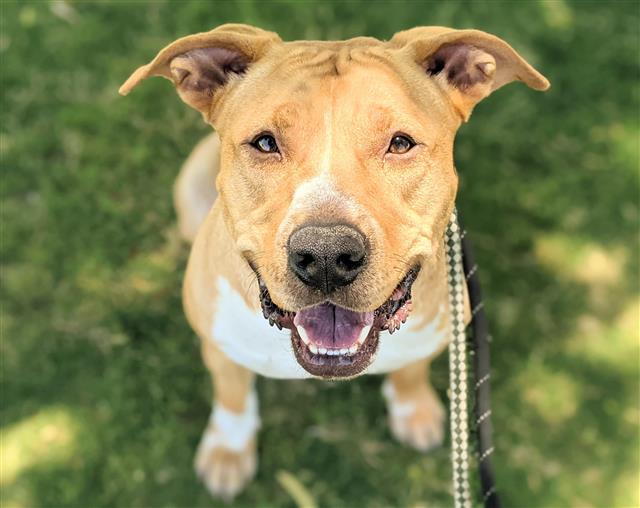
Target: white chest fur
[246,337]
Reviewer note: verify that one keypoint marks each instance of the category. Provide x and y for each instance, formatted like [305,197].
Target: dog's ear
[201,64]
[467,64]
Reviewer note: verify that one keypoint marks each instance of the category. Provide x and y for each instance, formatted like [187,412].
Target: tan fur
[333,107]
[194,191]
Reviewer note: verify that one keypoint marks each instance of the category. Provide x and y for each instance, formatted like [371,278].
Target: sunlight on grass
[145,273]
[623,137]
[28,16]
[557,13]
[554,395]
[94,277]
[598,339]
[47,437]
[617,345]
[626,492]
[5,143]
[580,260]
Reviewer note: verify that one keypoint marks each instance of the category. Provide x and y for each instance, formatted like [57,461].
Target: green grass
[104,395]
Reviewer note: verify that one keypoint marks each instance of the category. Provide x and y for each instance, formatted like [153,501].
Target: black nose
[327,257]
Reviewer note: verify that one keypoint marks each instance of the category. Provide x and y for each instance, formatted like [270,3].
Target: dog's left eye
[401,143]
[266,143]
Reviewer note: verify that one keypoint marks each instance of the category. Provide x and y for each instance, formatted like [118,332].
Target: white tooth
[313,348]
[353,349]
[322,350]
[303,334]
[332,352]
[344,351]
[363,334]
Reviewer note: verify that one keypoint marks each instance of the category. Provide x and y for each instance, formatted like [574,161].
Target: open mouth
[334,342]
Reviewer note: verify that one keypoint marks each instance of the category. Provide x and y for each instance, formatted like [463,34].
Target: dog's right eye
[400,143]
[265,143]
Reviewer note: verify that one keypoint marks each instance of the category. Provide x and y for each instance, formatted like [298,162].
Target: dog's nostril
[350,261]
[303,259]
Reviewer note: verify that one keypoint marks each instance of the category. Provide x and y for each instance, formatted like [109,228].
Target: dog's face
[327,165]
[337,176]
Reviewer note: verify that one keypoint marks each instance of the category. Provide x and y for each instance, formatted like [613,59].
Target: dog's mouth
[334,342]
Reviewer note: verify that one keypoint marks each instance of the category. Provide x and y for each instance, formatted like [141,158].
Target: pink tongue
[330,326]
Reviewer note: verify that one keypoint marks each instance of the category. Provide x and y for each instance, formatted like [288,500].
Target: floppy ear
[201,64]
[467,64]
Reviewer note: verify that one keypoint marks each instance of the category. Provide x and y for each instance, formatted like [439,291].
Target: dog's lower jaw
[340,366]
[326,358]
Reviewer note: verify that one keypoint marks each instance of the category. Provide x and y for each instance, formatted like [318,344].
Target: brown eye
[266,143]
[401,143]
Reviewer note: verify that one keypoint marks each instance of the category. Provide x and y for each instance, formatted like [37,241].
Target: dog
[318,206]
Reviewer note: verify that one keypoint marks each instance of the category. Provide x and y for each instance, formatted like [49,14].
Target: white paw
[417,421]
[225,472]
[226,458]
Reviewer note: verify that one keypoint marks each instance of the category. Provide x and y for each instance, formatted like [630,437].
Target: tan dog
[333,166]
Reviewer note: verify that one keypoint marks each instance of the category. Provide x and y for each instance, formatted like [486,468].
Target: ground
[104,396]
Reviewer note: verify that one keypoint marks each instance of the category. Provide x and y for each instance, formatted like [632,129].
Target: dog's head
[337,177]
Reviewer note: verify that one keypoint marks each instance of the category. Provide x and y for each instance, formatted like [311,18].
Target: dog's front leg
[416,415]
[226,458]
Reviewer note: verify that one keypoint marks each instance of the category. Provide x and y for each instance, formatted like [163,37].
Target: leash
[462,268]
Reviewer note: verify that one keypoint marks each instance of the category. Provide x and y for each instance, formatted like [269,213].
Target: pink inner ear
[463,65]
[199,73]
[205,69]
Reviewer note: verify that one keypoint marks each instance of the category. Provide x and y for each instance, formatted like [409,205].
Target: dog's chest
[247,339]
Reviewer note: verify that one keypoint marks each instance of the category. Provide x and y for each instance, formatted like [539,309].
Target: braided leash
[461,266]
[457,368]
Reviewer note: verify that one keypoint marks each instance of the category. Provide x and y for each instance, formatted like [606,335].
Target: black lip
[340,366]
[390,307]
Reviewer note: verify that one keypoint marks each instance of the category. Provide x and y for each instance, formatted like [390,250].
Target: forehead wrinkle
[380,117]
[285,115]
[307,62]
[387,102]
[300,87]
[362,106]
